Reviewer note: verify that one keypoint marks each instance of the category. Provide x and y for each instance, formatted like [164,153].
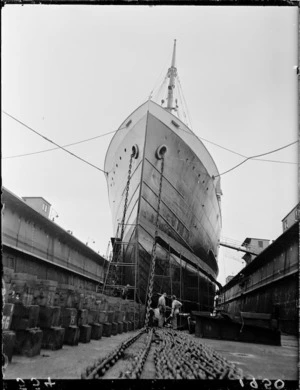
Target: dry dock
[256,360]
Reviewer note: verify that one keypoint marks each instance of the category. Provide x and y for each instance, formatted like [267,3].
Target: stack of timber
[50,323]
[40,313]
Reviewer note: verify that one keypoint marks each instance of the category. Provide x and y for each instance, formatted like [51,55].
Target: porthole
[161,151]
[135,151]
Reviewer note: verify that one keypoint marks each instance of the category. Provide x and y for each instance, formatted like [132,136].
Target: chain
[114,271]
[102,365]
[137,365]
[126,196]
[153,255]
[176,356]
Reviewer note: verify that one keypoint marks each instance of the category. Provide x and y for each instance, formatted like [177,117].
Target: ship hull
[189,221]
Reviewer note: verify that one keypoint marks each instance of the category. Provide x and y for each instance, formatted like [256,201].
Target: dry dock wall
[33,244]
[269,284]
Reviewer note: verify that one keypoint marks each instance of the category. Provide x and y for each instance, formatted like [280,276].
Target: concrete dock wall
[270,284]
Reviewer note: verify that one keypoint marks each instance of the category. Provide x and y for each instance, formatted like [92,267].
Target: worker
[176,305]
[162,310]
[125,291]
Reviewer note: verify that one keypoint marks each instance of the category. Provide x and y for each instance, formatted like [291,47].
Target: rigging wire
[158,95]
[239,154]
[159,77]
[121,128]
[185,104]
[180,93]
[258,155]
[66,145]
[74,143]
[54,143]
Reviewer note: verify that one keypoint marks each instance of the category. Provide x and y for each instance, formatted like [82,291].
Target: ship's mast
[172,73]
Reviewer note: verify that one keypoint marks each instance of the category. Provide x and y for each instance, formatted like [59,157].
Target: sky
[76,72]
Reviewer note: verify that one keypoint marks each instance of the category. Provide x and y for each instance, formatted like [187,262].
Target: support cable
[54,143]
[258,155]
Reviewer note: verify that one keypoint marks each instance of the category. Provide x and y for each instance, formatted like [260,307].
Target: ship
[165,193]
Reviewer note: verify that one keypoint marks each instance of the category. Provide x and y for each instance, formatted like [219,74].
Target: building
[32,243]
[39,204]
[254,245]
[292,217]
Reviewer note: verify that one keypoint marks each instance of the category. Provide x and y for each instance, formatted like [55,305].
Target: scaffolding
[115,275]
[172,277]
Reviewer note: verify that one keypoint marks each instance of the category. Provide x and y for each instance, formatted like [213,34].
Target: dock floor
[256,360]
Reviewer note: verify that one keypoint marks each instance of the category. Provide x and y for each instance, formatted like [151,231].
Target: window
[260,244]
[45,207]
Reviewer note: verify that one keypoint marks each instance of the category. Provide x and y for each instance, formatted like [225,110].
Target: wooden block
[93,316]
[20,310]
[7,315]
[102,317]
[125,326]
[56,316]
[110,316]
[25,316]
[71,335]
[49,317]
[114,328]
[85,333]
[45,298]
[68,317]
[97,330]
[130,316]
[82,317]
[33,315]
[121,316]
[116,315]
[28,342]
[120,327]
[53,338]
[7,274]
[106,329]
[8,343]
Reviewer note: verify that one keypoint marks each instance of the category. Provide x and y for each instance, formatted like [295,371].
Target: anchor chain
[114,273]
[176,356]
[126,196]
[153,254]
[179,357]
[102,365]
[136,369]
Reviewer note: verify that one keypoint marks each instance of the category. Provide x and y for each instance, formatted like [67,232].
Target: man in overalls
[176,305]
[162,310]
